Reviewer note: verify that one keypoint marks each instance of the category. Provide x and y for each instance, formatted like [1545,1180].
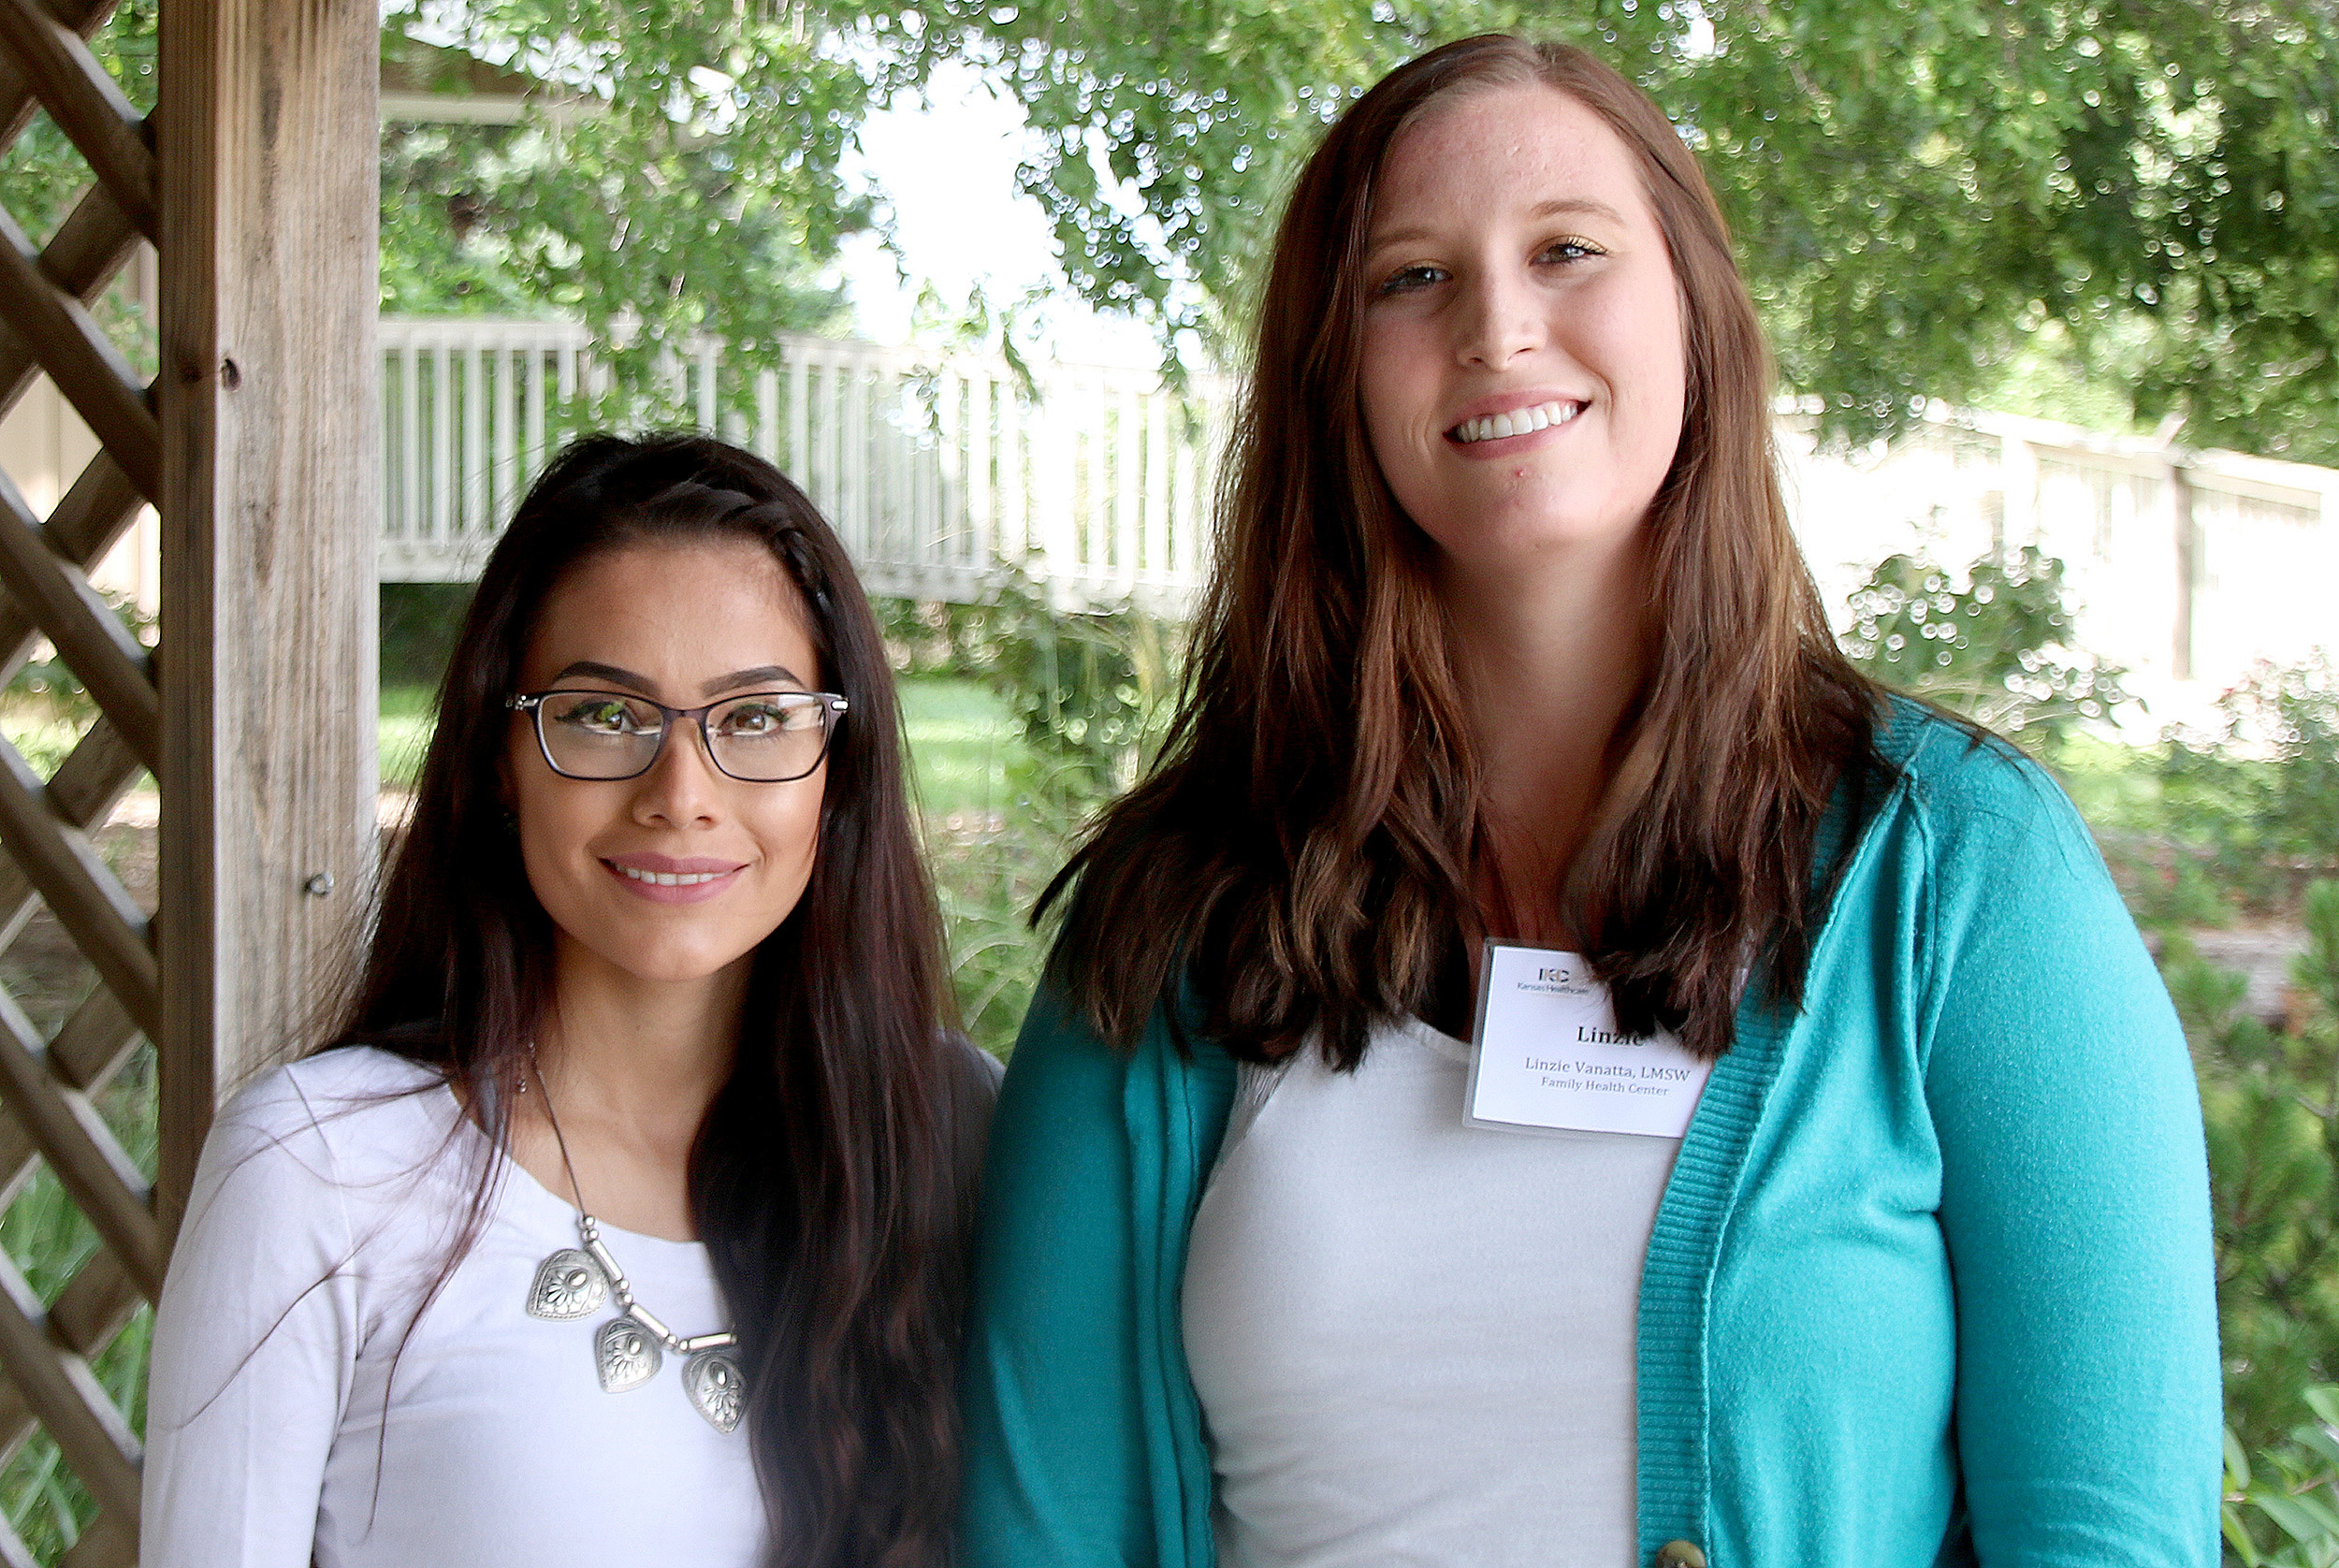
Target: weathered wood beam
[270,414]
[83,792]
[17,102]
[110,1542]
[102,1181]
[93,1043]
[58,859]
[66,1397]
[85,254]
[95,513]
[86,103]
[94,1306]
[80,358]
[18,1158]
[110,663]
[14,1553]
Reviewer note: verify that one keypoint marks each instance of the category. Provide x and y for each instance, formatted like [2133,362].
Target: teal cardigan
[1930,1284]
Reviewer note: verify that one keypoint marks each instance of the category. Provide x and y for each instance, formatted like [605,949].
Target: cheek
[787,830]
[1393,395]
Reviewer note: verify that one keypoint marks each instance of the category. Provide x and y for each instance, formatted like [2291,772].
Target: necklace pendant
[716,1387]
[569,1284]
[625,1355]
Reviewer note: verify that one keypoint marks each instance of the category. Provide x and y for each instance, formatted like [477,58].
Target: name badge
[1548,1055]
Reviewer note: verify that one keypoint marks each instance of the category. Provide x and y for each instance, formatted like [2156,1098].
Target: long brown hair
[1302,853]
[822,1180]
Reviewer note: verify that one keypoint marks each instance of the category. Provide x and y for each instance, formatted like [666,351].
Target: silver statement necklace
[574,1283]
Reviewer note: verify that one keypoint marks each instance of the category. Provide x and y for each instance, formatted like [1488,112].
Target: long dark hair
[822,1180]
[1304,851]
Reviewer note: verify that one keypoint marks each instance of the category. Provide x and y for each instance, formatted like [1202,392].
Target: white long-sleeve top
[292,1416]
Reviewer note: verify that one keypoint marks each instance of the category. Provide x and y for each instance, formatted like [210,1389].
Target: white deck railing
[940,475]
[937,474]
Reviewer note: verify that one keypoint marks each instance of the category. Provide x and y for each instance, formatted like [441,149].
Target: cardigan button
[1679,1554]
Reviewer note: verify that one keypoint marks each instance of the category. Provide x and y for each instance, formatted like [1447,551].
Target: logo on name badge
[1548,1055]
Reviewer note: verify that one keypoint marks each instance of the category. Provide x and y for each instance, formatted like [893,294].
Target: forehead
[678,611]
[1497,151]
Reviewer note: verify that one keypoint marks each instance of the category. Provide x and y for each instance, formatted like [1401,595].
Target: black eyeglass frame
[832,708]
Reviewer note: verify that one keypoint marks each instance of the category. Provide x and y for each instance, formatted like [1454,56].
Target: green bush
[1993,648]
[2282,1508]
[2270,1101]
[2251,802]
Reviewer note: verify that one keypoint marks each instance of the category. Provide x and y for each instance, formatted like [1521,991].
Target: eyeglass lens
[767,737]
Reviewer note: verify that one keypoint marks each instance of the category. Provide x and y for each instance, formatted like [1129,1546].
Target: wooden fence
[941,475]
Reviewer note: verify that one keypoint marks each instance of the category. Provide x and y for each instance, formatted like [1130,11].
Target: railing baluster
[442,442]
[1098,482]
[475,455]
[507,444]
[410,501]
[531,362]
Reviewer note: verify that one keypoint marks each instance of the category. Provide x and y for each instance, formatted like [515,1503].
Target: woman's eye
[1407,280]
[1571,250]
[755,718]
[604,716]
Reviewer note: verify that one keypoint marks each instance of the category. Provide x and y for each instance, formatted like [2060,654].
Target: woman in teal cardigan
[1552,1065]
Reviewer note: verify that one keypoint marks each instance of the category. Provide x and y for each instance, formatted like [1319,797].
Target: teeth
[672,879]
[1519,422]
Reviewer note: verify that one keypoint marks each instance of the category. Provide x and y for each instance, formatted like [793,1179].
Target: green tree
[1917,189]
[680,168]
[1931,199]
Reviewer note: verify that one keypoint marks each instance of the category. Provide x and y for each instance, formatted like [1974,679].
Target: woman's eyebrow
[763,674]
[606,672]
[1542,210]
[1585,205]
[619,675]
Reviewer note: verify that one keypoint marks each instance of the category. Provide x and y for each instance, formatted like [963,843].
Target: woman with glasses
[621,1222]
[1554,1066]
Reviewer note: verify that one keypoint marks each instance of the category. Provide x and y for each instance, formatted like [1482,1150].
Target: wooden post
[269,144]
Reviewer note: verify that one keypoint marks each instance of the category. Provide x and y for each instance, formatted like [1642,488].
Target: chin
[659,964]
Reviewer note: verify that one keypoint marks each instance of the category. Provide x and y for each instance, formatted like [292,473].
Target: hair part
[1304,851]
[823,1179]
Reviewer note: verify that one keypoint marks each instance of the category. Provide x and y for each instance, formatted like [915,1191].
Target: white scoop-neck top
[291,1416]
[1413,1339]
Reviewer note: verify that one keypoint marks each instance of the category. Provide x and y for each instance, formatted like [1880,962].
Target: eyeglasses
[764,737]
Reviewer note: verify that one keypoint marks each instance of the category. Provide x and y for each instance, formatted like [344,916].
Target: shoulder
[970,1087]
[974,1073]
[348,1117]
[1977,801]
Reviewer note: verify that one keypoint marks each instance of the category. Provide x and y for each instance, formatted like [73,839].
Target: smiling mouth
[1519,422]
[671,879]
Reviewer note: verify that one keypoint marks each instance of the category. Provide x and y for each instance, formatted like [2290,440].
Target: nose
[683,787]
[1498,320]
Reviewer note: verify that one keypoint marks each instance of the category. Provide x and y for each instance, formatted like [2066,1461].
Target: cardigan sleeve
[2074,1192]
[255,1342]
[1055,1470]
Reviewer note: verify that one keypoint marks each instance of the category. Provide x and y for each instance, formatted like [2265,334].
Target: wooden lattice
[46,1084]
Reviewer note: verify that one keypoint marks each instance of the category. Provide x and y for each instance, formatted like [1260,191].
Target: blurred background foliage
[2114,212]
[2077,208]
